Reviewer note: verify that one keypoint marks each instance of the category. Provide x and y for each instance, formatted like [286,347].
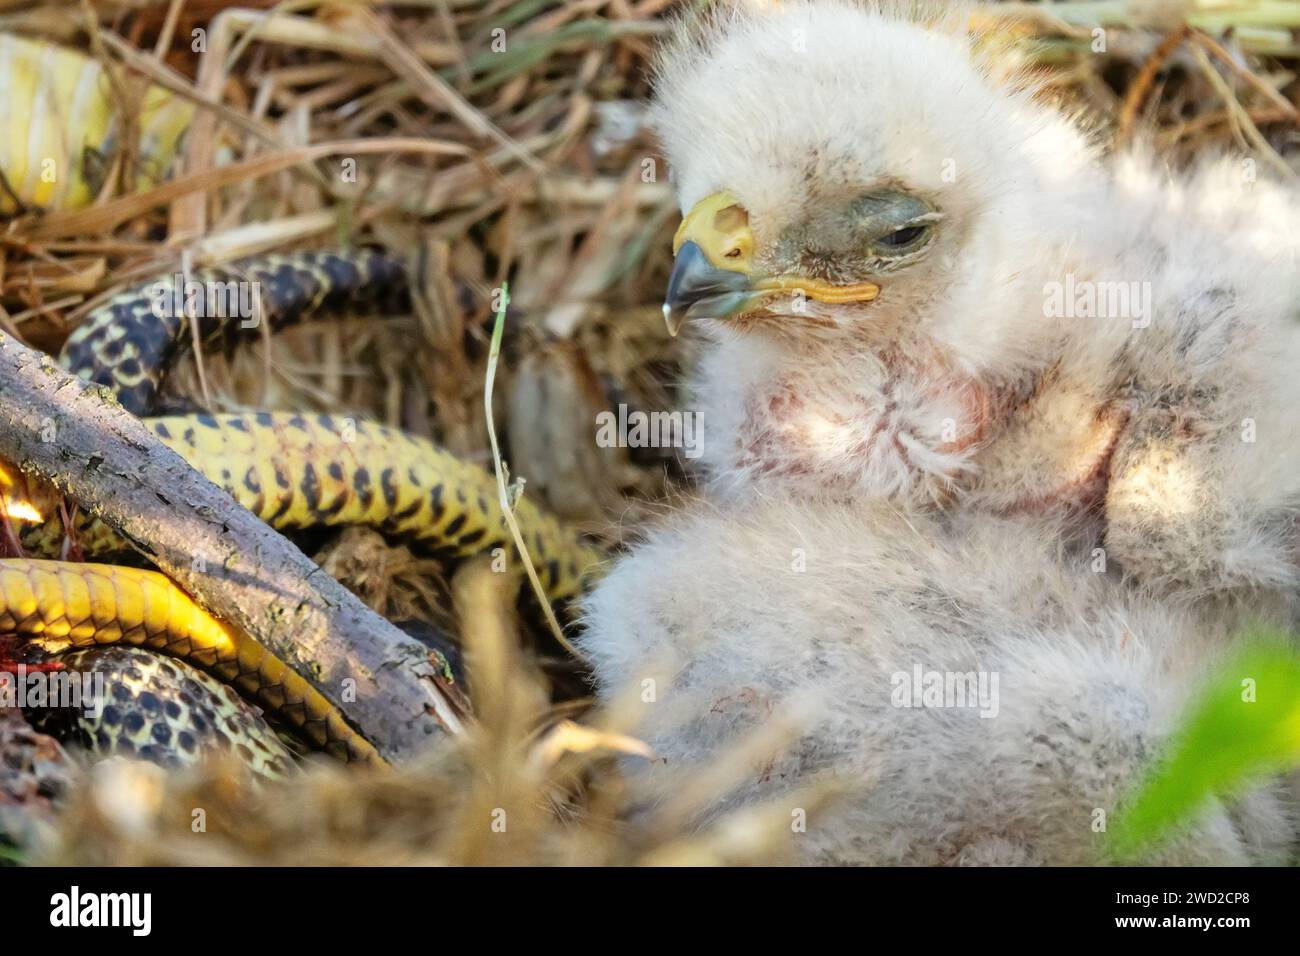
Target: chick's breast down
[999,424]
[724,622]
[1057,331]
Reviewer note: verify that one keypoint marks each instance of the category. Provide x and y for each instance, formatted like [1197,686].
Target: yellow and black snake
[294,471]
[62,128]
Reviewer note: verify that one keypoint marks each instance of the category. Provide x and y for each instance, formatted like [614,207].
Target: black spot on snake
[409,511]
[389,486]
[310,486]
[471,538]
[361,482]
[335,506]
[285,503]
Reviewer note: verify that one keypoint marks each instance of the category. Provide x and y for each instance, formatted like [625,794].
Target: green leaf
[1245,725]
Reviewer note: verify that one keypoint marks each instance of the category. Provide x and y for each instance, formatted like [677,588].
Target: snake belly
[63,605]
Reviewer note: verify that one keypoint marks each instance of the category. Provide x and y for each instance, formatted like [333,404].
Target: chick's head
[846,173]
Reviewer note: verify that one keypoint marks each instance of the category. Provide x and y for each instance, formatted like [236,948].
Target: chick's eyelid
[922,222]
[926,219]
[890,205]
[904,212]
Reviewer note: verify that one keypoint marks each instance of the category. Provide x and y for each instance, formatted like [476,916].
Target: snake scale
[294,471]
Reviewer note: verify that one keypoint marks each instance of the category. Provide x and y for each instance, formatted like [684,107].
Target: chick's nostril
[731,219]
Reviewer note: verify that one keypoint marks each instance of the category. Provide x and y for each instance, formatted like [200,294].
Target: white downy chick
[904,386]
[919,282]
[1069,684]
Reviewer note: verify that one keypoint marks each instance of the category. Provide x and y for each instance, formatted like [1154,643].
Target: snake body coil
[59,605]
[163,710]
[306,471]
[128,344]
[294,471]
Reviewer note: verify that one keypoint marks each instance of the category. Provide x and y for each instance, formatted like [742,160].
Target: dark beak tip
[688,265]
[697,287]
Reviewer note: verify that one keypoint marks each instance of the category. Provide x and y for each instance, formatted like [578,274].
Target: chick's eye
[902,237]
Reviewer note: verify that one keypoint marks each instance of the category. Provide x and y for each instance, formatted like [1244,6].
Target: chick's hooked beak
[712,273]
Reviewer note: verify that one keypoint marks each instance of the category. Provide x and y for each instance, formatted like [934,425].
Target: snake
[183,682]
[163,710]
[294,471]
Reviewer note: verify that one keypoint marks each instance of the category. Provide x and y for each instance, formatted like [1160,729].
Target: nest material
[500,140]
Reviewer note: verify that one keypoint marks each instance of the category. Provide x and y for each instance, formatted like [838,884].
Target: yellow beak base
[719,226]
